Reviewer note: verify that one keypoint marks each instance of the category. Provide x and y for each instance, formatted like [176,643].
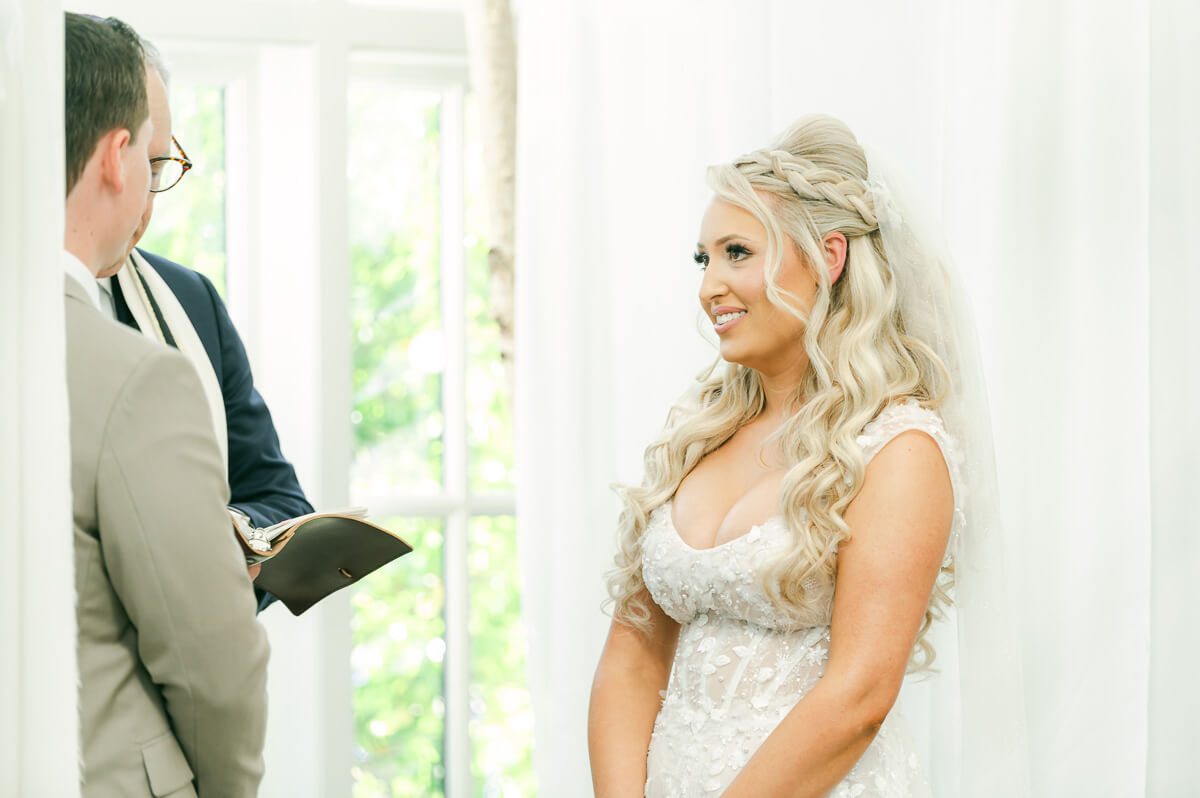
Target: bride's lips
[725,317]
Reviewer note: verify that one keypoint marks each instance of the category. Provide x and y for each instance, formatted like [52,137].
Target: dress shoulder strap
[908,415]
[901,417]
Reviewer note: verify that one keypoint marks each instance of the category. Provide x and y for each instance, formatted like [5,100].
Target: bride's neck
[780,394]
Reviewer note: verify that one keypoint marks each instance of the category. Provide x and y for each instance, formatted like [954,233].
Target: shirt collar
[108,305]
[74,268]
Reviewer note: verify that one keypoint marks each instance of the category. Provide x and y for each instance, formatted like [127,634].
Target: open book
[305,559]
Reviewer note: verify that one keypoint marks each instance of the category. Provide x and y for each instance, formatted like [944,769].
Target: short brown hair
[105,86]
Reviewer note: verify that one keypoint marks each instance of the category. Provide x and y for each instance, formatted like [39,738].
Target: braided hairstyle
[811,182]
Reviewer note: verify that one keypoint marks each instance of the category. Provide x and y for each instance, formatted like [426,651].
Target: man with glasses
[181,308]
[172,662]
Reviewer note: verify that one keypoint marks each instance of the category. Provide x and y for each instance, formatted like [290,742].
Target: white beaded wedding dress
[741,665]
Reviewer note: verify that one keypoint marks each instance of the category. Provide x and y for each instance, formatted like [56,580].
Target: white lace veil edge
[983,685]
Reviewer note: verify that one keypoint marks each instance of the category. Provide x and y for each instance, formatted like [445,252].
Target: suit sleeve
[262,482]
[170,554]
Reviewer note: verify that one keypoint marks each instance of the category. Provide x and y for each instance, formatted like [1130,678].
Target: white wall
[38,716]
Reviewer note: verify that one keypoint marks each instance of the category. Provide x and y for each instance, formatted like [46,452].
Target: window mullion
[331,122]
[457,672]
[434,505]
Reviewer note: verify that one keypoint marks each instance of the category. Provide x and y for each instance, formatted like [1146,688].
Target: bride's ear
[834,245]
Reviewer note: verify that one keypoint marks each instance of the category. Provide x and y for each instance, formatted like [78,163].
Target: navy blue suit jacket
[262,484]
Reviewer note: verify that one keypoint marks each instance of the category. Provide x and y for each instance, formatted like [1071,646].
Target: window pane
[396,666]
[188,226]
[399,349]
[489,412]
[501,714]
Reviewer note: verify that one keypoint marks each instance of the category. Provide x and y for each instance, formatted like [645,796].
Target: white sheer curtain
[1174,369]
[38,718]
[1056,143]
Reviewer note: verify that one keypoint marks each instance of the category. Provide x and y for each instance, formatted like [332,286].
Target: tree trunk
[493,59]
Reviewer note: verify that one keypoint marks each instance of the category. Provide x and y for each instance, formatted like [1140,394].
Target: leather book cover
[323,554]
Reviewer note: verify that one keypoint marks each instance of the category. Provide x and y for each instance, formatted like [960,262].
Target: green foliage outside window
[188,225]
[501,714]
[399,707]
[394,192]
[396,668]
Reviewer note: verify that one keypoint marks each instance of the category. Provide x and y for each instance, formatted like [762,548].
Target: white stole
[183,332]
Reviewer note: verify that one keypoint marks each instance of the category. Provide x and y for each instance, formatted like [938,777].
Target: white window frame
[310,742]
[455,503]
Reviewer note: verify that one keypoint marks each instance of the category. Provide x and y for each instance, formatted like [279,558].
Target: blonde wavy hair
[811,182]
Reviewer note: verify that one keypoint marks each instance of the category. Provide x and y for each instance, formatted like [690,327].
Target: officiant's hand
[253,571]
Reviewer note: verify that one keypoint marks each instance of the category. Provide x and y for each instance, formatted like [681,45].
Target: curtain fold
[38,675]
[1174,373]
[1056,144]
[561,409]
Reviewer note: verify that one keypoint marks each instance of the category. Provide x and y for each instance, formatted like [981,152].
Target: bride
[791,543]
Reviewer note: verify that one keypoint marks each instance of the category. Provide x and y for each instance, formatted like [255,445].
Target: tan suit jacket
[172,662]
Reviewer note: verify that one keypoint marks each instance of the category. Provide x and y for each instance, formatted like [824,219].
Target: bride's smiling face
[732,251]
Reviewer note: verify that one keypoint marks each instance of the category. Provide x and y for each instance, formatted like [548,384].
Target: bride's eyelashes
[733,252]
[736,252]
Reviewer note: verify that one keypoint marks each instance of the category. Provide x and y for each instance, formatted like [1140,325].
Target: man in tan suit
[172,662]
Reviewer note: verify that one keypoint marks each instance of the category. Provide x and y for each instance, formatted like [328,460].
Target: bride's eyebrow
[723,239]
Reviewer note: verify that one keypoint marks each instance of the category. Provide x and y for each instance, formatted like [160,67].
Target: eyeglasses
[166,172]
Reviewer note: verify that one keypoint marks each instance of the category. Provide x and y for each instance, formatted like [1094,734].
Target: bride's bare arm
[900,524]
[625,701]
